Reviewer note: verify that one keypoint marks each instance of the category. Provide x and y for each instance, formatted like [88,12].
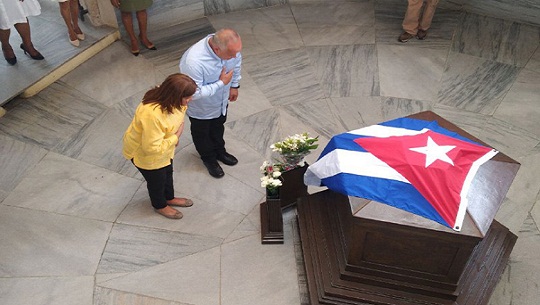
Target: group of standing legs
[416,23]
[14,13]
[69,9]
[127,8]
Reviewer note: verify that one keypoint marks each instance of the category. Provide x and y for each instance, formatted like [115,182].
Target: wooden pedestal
[270,211]
[271,222]
[377,255]
[350,260]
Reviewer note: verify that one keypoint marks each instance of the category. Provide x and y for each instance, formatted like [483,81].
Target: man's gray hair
[223,37]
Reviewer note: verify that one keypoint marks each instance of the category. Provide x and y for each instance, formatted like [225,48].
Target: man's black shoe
[214,169]
[227,159]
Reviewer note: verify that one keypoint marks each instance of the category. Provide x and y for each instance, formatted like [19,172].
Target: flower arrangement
[292,151]
[298,143]
[294,148]
[270,179]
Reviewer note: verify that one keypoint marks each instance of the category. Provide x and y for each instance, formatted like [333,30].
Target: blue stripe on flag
[398,194]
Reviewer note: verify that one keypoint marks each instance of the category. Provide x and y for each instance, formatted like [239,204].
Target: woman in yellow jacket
[151,138]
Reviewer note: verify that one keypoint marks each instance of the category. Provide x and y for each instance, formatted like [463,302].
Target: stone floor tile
[66,186]
[42,244]
[194,279]
[47,290]
[246,259]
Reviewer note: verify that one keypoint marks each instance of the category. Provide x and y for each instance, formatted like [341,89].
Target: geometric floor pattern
[77,226]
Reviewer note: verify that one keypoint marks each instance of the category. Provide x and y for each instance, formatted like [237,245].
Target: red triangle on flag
[438,166]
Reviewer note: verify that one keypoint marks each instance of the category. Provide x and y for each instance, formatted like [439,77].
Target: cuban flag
[410,164]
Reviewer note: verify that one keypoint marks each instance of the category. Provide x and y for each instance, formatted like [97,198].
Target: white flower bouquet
[270,179]
[294,148]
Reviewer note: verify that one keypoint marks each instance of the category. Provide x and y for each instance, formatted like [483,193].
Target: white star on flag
[434,152]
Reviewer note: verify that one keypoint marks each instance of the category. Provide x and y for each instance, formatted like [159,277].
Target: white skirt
[15,11]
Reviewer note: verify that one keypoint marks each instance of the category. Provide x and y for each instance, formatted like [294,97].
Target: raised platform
[70,65]
[325,221]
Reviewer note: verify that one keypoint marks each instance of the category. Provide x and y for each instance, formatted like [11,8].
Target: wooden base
[324,225]
[270,211]
[271,222]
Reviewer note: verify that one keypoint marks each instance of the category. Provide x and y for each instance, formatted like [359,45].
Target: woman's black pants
[160,185]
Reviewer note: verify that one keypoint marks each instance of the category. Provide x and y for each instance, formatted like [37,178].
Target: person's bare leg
[6,47]
[66,15]
[142,18]
[127,20]
[24,31]
[74,9]
[4,38]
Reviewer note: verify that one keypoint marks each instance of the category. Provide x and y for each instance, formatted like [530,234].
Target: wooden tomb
[358,251]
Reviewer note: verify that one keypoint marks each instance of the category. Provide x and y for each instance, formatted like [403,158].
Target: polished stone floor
[76,223]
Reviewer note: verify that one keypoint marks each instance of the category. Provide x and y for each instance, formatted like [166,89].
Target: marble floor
[76,223]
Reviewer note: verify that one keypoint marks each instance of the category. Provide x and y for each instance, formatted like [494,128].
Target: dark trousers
[160,185]
[208,137]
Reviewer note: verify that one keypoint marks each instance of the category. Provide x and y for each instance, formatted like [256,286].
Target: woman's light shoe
[176,215]
[180,202]
[81,36]
[75,42]
[149,47]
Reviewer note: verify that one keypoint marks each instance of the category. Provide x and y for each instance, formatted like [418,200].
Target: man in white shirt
[214,63]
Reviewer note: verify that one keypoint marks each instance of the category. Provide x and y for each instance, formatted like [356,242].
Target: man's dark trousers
[208,137]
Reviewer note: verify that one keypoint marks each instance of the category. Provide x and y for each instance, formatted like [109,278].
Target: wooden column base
[322,236]
[270,211]
[271,222]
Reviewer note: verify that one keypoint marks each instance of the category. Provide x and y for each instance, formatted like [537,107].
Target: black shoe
[227,159]
[214,169]
[10,60]
[38,55]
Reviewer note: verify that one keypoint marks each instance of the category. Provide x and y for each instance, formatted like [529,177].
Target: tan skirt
[134,5]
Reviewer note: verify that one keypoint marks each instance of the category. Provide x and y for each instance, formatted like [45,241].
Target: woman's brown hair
[170,93]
